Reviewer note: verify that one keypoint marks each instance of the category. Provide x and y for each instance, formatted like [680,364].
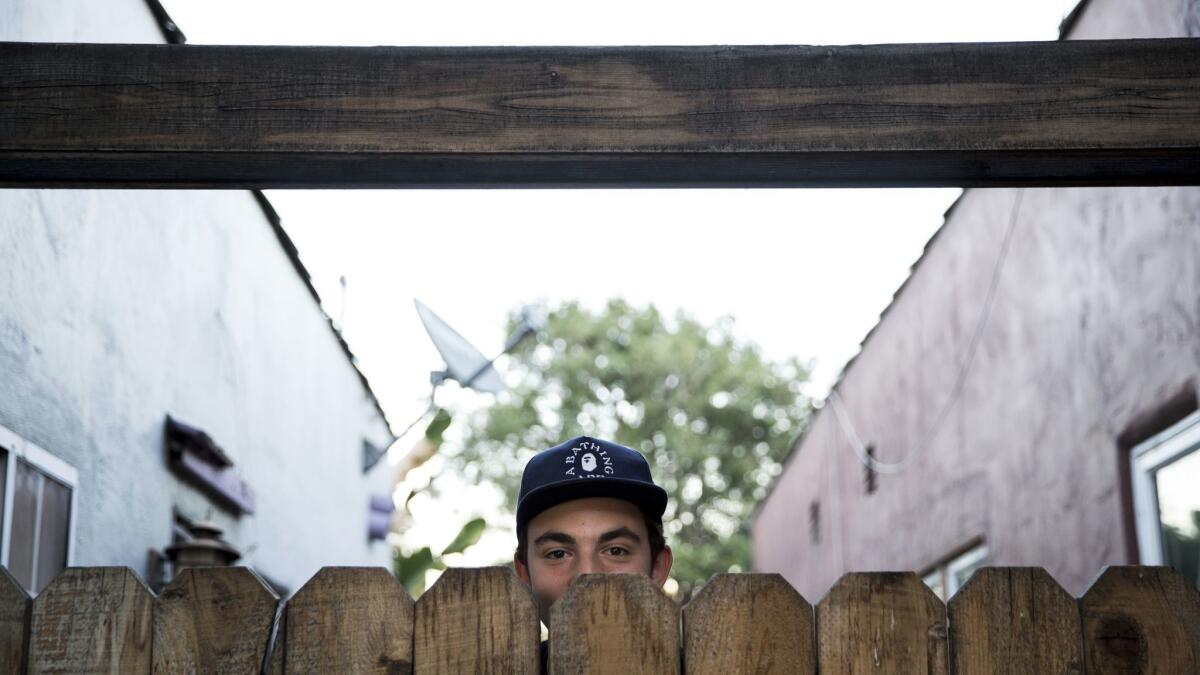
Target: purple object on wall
[193,456]
[219,483]
[379,519]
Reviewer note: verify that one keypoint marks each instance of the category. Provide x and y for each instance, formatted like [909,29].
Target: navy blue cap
[587,467]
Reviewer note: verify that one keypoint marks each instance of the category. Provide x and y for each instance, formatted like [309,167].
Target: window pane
[962,574]
[52,543]
[25,503]
[934,581]
[1179,514]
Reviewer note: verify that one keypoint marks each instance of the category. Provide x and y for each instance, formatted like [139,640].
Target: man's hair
[654,533]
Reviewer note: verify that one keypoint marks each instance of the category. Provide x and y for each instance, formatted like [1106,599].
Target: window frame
[1145,460]
[947,569]
[48,464]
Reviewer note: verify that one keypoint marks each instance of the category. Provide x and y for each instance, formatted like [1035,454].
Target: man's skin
[587,536]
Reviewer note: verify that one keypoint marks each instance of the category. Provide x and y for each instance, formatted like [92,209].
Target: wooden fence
[359,620]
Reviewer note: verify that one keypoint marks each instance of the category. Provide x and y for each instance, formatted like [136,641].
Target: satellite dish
[464,363]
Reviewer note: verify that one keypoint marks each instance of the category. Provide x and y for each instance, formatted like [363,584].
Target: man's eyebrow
[619,533]
[557,537]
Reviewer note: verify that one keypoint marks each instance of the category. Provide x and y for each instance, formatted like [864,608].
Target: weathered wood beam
[1059,113]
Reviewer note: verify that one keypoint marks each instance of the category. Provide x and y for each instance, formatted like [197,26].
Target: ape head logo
[588,462]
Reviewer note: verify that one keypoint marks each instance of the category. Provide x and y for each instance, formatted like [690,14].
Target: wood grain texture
[92,620]
[748,623]
[213,620]
[881,622]
[1075,112]
[14,625]
[350,620]
[614,623]
[476,621]
[1141,620]
[1014,620]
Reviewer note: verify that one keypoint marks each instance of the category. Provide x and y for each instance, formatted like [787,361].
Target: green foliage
[467,537]
[713,416]
[436,430]
[410,570]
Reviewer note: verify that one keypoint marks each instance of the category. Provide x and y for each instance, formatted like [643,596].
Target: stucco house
[1028,398]
[165,360]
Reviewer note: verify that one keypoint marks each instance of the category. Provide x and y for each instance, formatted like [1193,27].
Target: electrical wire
[843,416]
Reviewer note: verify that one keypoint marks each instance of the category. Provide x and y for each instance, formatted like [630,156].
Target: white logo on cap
[594,457]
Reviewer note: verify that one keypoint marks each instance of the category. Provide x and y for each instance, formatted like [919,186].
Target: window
[1166,502]
[948,576]
[37,500]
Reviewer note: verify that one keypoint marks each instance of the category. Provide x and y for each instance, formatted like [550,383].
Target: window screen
[40,522]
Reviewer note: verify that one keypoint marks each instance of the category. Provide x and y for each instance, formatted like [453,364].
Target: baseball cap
[587,467]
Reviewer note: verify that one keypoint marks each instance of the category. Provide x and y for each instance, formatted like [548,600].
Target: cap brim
[650,498]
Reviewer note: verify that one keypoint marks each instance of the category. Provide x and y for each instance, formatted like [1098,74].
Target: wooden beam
[1057,113]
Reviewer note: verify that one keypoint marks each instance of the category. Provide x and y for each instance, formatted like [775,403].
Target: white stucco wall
[119,307]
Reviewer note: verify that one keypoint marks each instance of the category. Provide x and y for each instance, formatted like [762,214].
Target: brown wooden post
[213,620]
[14,625]
[476,621]
[614,623]
[881,622]
[92,620]
[748,623]
[1075,112]
[1141,620]
[350,620]
[1014,620]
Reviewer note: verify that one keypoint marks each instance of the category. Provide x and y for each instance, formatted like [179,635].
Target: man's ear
[660,569]
[522,570]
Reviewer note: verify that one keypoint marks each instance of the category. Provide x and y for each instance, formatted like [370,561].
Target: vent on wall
[870,476]
[814,522]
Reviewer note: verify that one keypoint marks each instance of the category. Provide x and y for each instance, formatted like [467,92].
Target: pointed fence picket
[748,623]
[1014,620]
[359,620]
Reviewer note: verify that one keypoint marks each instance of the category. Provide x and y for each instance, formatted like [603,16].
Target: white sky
[804,272]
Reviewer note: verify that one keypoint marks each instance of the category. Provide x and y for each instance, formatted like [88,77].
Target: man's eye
[618,551]
[555,554]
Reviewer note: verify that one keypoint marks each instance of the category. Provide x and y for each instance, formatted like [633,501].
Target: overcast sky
[803,272]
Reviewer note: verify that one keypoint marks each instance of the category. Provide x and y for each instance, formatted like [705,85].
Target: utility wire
[843,416]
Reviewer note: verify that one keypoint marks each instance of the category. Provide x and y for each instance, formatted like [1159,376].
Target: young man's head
[588,506]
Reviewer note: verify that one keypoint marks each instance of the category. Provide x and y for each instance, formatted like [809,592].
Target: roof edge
[1071,19]
[293,254]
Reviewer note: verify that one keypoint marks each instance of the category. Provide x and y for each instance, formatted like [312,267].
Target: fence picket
[748,623]
[359,620]
[92,620]
[476,621]
[620,623]
[1014,620]
[350,620]
[1141,620]
[14,625]
[213,620]
[881,622]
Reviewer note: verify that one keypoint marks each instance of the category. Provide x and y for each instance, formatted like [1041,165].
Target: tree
[712,415]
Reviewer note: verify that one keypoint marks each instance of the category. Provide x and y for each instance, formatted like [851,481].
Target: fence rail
[359,620]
